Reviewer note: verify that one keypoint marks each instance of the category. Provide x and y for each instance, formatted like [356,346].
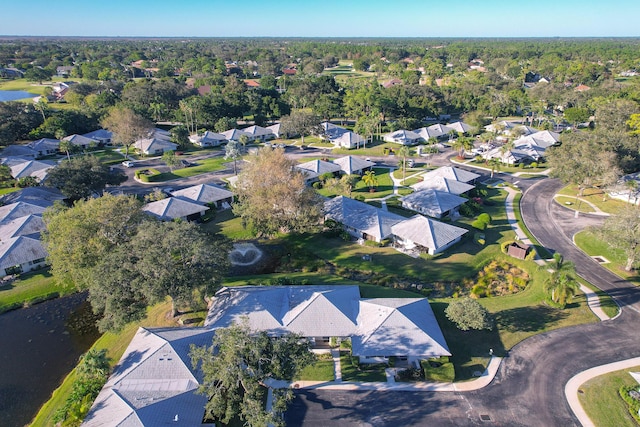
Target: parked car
[128,164]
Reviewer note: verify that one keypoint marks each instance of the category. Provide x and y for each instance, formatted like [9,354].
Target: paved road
[529,387]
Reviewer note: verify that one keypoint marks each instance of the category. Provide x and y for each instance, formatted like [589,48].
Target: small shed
[518,250]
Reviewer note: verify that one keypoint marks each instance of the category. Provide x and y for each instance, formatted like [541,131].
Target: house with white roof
[208,139]
[451,173]
[435,203]
[353,165]
[173,208]
[45,147]
[32,168]
[21,254]
[313,169]
[443,184]
[101,136]
[39,196]
[259,133]
[403,137]
[421,234]
[22,151]
[339,136]
[206,194]
[155,384]
[235,134]
[29,225]
[154,146]
[80,141]
[275,129]
[19,209]
[360,219]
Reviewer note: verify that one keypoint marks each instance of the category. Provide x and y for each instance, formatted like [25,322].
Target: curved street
[529,387]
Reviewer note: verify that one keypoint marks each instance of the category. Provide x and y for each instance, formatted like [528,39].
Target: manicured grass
[571,203]
[115,344]
[202,166]
[29,288]
[8,190]
[444,373]
[596,197]
[322,370]
[593,246]
[375,148]
[361,373]
[607,303]
[509,169]
[383,189]
[602,402]
[226,223]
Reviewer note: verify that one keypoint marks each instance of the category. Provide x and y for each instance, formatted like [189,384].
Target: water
[39,346]
[13,95]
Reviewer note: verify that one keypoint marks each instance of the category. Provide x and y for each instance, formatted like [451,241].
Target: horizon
[326,19]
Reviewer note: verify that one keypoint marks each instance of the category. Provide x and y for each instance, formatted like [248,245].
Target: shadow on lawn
[529,319]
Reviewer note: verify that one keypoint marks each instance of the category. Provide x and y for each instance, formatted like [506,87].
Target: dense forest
[214,83]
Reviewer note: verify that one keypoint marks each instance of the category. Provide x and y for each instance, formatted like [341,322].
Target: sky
[326,18]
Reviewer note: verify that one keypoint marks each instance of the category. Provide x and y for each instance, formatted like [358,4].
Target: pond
[13,95]
[39,346]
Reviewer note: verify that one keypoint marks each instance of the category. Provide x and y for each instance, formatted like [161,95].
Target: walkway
[572,387]
[597,210]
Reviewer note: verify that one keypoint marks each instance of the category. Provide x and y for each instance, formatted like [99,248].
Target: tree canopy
[237,368]
[127,126]
[272,195]
[622,231]
[80,177]
[467,314]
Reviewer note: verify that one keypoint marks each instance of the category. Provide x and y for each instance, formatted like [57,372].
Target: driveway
[529,387]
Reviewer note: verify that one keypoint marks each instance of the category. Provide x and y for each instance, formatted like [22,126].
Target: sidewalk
[571,389]
[597,210]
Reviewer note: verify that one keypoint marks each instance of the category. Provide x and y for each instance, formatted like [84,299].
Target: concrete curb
[571,389]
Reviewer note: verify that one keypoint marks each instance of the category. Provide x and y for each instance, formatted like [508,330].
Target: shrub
[317,185]
[534,165]
[485,217]
[480,225]
[410,374]
[468,314]
[632,404]
[438,369]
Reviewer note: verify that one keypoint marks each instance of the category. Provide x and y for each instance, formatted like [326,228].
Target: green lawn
[607,303]
[202,166]
[602,402]
[541,250]
[510,169]
[8,190]
[438,369]
[593,246]
[383,189]
[29,288]
[361,373]
[596,197]
[228,224]
[571,203]
[322,370]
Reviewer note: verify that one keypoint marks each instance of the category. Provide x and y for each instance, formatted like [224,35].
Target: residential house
[526,149]
[154,146]
[208,139]
[451,173]
[34,168]
[154,382]
[353,165]
[435,203]
[443,184]
[425,234]
[403,137]
[19,209]
[391,83]
[348,140]
[313,169]
[22,151]
[379,328]
[101,136]
[39,196]
[81,141]
[206,194]
[359,219]
[21,254]
[29,225]
[64,70]
[275,130]
[175,208]
[258,133]
[234,134]
[45,147]
[11,73]
[625,190]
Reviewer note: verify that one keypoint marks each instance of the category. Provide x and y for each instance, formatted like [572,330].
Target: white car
[128,164]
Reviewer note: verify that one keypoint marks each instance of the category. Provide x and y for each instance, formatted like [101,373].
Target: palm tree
[66,146]
[404,152]
[494,163]
[462,144]
[561,285]
[232,151]
[369,178]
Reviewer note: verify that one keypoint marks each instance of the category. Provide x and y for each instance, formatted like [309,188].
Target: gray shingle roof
[398,326]
[16,210]
[173,207]
[434,201]
[40,196]
[427,232]
[361,216]
[33,168]
[450,172]
[203,193]
[23,226]
[19,250]
[351,164]
[443,184]
[316,168]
